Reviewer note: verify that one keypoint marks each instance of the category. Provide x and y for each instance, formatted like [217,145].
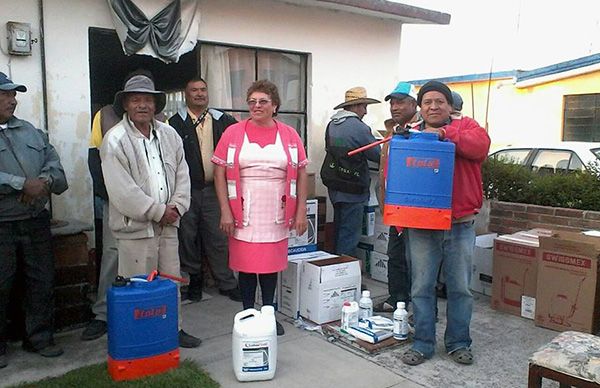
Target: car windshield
[596,152]
[515,156]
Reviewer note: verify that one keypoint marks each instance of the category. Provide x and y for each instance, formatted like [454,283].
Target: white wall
[345,49]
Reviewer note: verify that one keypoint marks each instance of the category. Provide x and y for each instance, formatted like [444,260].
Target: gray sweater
[346,129]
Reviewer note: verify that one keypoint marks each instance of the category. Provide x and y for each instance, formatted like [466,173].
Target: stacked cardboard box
[325,285]
[515,273]
[289,285]
[568,290]
[481,267]
[307,242]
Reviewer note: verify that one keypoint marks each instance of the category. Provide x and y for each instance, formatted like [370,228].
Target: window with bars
[230,70]
[581,117]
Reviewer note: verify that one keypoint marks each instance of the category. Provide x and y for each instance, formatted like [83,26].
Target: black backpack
[340,172]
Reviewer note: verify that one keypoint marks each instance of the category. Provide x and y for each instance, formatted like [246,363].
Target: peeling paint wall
[345,49]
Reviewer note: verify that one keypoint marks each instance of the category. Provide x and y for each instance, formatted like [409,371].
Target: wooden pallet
[333,331]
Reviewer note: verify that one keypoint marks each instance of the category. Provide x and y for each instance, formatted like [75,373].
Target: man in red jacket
[452,248]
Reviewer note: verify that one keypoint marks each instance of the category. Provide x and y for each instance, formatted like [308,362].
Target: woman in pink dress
[260,180]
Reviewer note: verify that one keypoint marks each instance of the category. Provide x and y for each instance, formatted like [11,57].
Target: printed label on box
[528,307]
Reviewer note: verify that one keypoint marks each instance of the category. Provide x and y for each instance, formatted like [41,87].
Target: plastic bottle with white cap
[400,322]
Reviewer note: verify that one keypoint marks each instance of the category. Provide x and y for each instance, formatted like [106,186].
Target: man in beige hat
[148,184]
[346,131]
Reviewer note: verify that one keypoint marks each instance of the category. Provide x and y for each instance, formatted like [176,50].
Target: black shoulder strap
[327,136]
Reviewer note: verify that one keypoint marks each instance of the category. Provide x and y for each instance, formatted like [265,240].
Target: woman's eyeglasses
[258,102]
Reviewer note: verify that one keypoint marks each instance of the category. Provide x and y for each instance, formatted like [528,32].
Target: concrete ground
[501,344]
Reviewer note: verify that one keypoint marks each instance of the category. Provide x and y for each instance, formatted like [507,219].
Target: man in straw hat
[30,170]
[452,249]
[148,184]
[346,129]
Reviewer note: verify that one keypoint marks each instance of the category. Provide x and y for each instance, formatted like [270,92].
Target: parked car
[551,158]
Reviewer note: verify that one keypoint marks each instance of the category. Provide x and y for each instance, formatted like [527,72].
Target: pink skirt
[253,257]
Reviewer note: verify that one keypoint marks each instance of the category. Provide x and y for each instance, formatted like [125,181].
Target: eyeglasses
[258,102]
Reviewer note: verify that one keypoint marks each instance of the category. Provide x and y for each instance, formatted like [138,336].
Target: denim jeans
[348,218]
[398,268]
[28,241]
[454,250]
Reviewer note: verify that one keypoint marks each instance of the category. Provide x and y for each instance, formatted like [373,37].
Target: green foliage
[187,375]
[514,183]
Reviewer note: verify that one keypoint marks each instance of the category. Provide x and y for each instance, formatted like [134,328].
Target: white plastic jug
[254,344]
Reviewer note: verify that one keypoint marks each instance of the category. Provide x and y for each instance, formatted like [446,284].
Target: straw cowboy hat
[141,84]
[356,95]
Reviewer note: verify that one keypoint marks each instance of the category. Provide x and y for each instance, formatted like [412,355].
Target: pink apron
[260,246]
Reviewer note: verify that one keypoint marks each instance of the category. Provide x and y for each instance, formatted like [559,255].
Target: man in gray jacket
[148,185]
[30,170]
[347,130]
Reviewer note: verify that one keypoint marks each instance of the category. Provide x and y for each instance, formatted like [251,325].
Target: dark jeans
[268,283]
[398,268]
[199,235]
[348,219]
[30,242]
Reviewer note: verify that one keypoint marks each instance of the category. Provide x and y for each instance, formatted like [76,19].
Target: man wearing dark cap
[30,170]
[452,248]
[347,131]
[403,108]
[148,184]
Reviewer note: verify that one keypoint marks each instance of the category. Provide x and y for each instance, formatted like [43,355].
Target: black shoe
[384,307]
[193,294]
[50,350]
[234,294]
[3,360]
[280,330]
[188,341]
[194,289]
[94,330]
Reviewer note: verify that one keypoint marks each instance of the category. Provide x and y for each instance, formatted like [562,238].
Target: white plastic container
[254,344]
[365,305]
[345,316]
[400,322]
[353,316]
[349,315]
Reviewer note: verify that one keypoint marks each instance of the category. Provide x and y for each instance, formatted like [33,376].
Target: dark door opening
[109,66]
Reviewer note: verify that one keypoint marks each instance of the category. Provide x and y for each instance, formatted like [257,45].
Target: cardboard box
[568,290]
[368,223]
[379,266]
[482,265]
[364,251]
[381,238]
[325,285]
[307,242]
[374,187]
[289,291]
[514,271]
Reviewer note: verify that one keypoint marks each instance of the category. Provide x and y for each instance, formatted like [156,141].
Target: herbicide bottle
[254,344]
[400,322]
[365,305]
